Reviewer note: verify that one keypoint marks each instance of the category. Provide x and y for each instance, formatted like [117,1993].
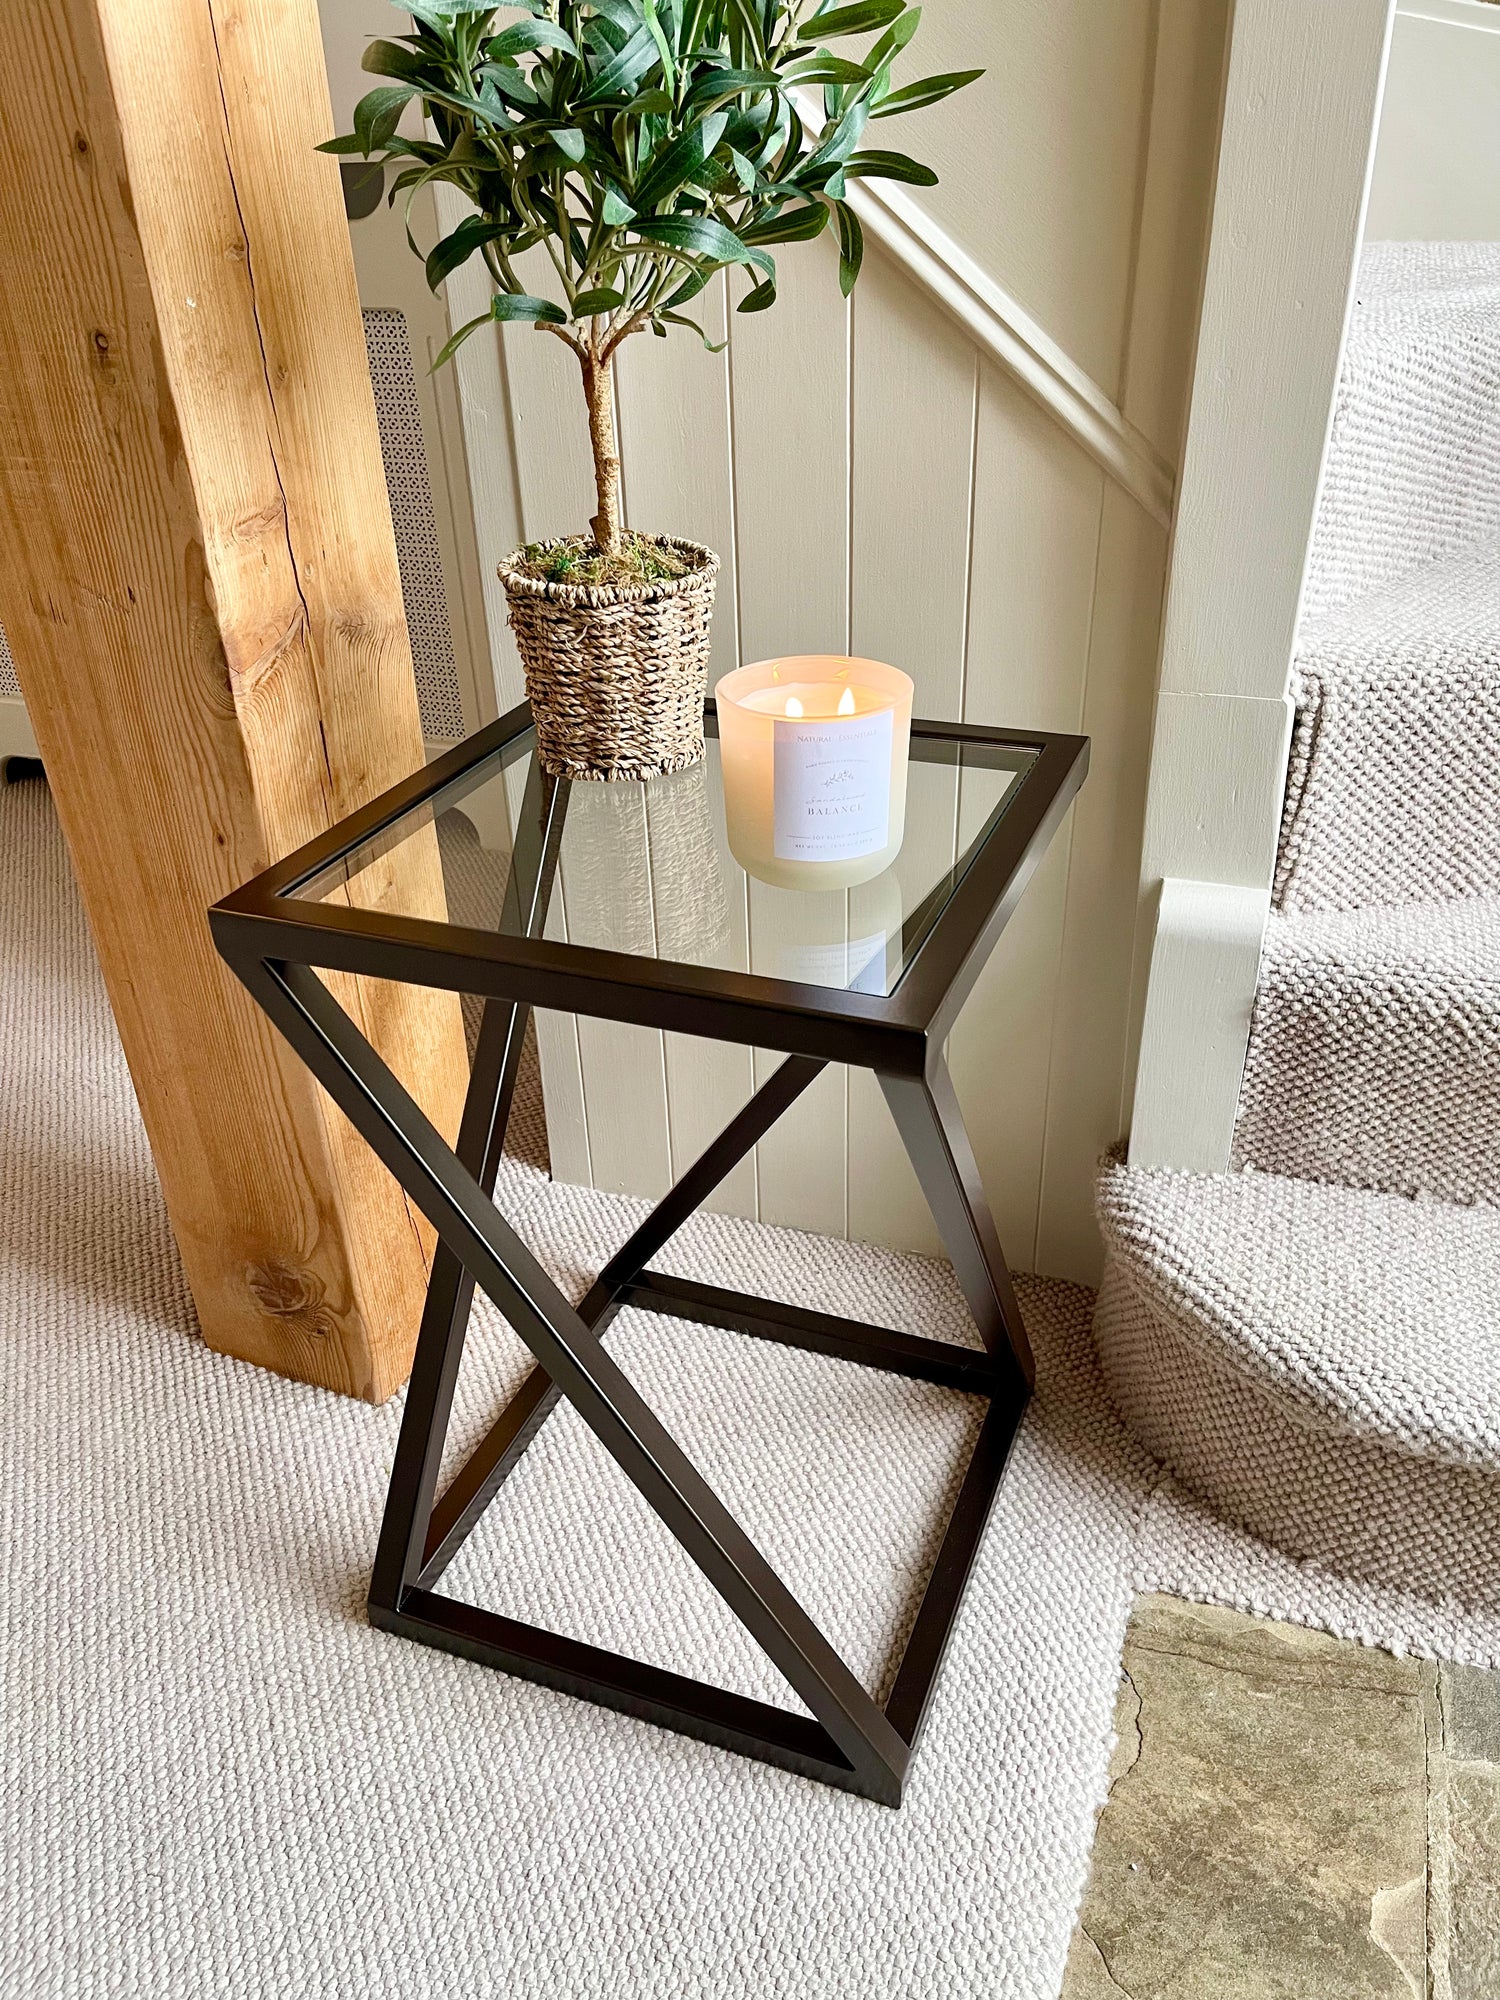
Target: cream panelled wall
[876,483]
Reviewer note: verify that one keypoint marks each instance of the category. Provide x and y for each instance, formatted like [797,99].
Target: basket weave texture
[616,675]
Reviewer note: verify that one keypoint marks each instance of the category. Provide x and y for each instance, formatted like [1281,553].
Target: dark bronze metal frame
[273,941]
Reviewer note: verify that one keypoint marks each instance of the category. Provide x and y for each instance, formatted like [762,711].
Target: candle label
[832,787]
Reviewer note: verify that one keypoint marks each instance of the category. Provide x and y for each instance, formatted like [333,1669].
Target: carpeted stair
[1312,1341]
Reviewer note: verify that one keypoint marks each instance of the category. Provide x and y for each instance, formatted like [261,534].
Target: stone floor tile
[1268,1807]
[1466,1784]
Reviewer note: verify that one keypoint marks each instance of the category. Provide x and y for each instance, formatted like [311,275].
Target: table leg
[932,1130]
[481,1139]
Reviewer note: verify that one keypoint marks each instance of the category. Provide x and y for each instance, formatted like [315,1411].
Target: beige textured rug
[219,1781]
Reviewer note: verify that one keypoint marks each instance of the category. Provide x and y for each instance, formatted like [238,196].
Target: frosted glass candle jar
[814,750]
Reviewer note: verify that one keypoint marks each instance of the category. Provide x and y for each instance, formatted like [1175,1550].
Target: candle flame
[846,702]
[793,706]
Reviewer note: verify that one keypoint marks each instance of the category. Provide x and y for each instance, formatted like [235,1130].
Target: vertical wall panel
[477,375]
[555,485]
[675,445]
[1092,1024]
[790,380]
[1036,532]
[914,407]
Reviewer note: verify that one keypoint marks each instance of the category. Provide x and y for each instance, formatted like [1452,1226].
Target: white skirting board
[16,738]
[1205,957]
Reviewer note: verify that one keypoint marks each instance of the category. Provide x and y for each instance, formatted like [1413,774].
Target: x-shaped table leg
[850,1740]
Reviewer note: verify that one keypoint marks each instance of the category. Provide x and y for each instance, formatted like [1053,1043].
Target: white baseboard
[1204,960]
[16,738]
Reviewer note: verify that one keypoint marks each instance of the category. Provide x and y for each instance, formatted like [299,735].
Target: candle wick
[846,702]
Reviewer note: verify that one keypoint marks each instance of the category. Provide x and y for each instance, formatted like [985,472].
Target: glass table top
[645,868]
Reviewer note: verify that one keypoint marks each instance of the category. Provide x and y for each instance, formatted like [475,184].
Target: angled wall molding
[1002,328]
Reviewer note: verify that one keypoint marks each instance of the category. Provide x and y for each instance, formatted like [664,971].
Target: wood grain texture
[199,583]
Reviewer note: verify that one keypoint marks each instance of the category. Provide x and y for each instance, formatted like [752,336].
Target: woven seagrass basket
[616,676]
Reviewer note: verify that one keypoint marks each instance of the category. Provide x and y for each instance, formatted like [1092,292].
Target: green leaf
[696,282]
[450,347]
[526,35]
[699,236]
[378,113]
[750,21]
[679,162]
[504,306]
[930,90]
[622,13]
[757,300]
[744,172]
[471,235]
[857,19]
[511,84]
[391,59]
[449,10]
[521,305]
[835,149]
[347,142]
[680,319]
[490,113]
[619,77]
[824,68]
[895,38]
[717,85]
[889,167]
[658,35]
[851,247]
[570,141]
[801,225]
[617,209]
[604,299]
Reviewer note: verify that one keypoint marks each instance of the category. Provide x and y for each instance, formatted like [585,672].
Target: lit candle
[814,758]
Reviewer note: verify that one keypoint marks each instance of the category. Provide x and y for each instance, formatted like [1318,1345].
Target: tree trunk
[598,388]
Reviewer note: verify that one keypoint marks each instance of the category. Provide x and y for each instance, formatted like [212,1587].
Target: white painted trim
[1000,327]
[1301,109]
[1435,167]
[1454,13]
[16,736]
[1205,959]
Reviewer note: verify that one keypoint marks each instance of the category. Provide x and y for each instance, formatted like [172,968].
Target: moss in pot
[644,145]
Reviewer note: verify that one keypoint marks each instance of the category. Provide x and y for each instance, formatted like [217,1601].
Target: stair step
[1321,1364]
[1375,1051]
[1413,468]
[1393,792]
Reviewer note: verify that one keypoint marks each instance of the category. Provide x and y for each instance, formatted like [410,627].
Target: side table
[881,992]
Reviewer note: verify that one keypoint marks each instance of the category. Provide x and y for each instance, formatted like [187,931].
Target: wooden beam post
[199,584]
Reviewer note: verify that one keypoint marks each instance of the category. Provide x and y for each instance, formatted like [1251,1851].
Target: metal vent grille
[418,551]
[10,686]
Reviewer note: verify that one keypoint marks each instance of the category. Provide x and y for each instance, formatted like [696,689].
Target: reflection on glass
[645,868]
